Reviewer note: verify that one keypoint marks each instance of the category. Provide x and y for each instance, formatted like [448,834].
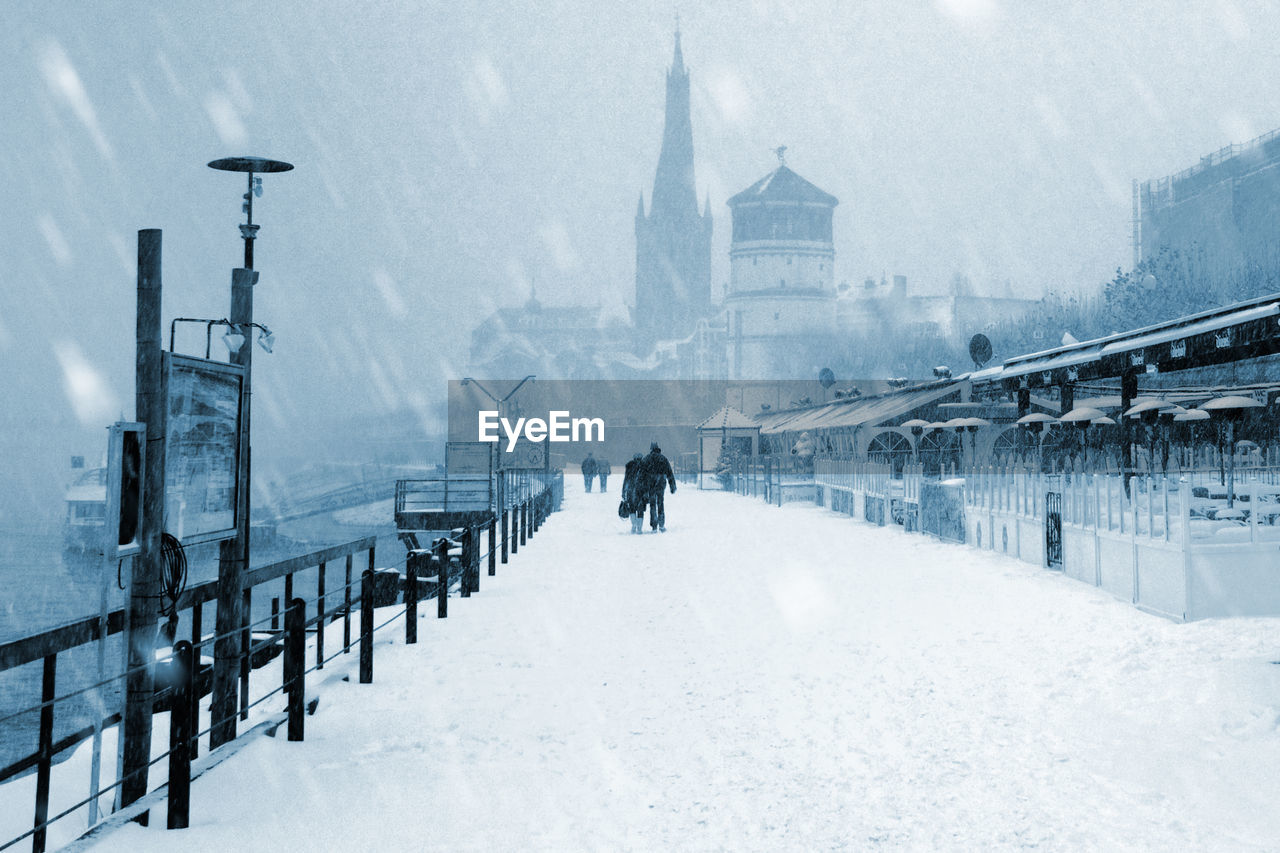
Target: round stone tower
[781,298]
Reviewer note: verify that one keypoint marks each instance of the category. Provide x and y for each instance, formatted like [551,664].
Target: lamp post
[502,413]
[230,660]
[251,166]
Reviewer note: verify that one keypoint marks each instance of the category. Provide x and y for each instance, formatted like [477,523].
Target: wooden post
[275,613]
[295,629]
[411,597]
[465,537]
[197,637]
[233,554]
[148,566]
[493,547]
[246,646]
[440,568]
[180,730]
[505,527]
[366,627]
[45,751]
[346,610]
[320,617]
[524,522]
[515,529]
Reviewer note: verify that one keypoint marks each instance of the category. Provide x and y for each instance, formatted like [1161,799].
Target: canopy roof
[861,411]
[728,418]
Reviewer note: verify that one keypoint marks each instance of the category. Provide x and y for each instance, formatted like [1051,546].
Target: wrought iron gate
[1053,529]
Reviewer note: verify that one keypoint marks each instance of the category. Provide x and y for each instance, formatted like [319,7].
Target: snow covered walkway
[770,679]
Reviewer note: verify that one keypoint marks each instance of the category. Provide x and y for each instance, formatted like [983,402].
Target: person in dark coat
[656,475]
[588,470]
[603,470]
[631,493]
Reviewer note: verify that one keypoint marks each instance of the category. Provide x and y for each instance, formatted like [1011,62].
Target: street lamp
[251,166]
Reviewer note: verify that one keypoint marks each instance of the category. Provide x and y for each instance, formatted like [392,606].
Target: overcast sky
[449,155]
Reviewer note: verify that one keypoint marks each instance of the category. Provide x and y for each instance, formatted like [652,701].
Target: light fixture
[267,339]
[233,339]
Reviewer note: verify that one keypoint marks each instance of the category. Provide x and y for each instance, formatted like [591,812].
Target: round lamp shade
[1082,413]
[1228,403]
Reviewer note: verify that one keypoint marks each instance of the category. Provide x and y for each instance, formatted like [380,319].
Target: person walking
[603,471]
[632,492]
[588,471]
[656,475]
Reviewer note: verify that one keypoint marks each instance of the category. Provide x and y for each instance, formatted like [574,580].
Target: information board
[202,436]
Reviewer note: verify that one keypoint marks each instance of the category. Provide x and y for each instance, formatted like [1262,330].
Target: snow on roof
[1135,339]
[728,418]
[856,412]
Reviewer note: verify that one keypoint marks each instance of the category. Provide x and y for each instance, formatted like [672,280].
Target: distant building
[573,341]
[673,241]
[1223,212]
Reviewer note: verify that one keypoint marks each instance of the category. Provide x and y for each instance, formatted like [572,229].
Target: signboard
[126,462]
[468,457]
[525,455]
[202,436]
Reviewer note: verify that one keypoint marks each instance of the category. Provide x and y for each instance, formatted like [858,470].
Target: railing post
[493,547]
[180,729]
[246,641]
[346,610]
[474,556]
[465,562]
[524,521]
[320,617]
[504,526]
[295,628]
[515,529]
[45,751]
[411,597]
[366,627]
[440,565]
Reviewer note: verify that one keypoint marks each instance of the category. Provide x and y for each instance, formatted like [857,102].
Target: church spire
[677,62]
[674,194]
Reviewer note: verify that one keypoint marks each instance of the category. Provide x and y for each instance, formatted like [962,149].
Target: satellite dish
[980,349]
[826,378]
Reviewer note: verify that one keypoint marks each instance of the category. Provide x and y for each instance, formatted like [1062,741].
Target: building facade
[1223,212]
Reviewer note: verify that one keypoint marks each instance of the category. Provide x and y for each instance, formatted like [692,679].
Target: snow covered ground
[770,679]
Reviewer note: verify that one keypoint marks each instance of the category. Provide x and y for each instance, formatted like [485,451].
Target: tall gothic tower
[673,242]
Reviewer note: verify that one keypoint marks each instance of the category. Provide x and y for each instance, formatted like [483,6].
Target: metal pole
[233,555]
[144,595]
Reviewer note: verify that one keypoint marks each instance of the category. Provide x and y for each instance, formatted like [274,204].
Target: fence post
[295,628]
[320,617]
[180,738]
[474,556]
[411,597]
[346,609]
[440,563]
[45,750]
[465,562]
[366,627]
[493,547]
[505,527]
[524,521]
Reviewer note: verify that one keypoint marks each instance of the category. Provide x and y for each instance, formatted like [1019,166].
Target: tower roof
[784,185]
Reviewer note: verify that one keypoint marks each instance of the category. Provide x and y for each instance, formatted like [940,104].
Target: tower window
[819,267]
[788,262]
[776,314]
[755,262]
[782,282]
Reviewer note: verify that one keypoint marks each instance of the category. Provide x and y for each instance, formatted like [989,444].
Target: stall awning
[869,411]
